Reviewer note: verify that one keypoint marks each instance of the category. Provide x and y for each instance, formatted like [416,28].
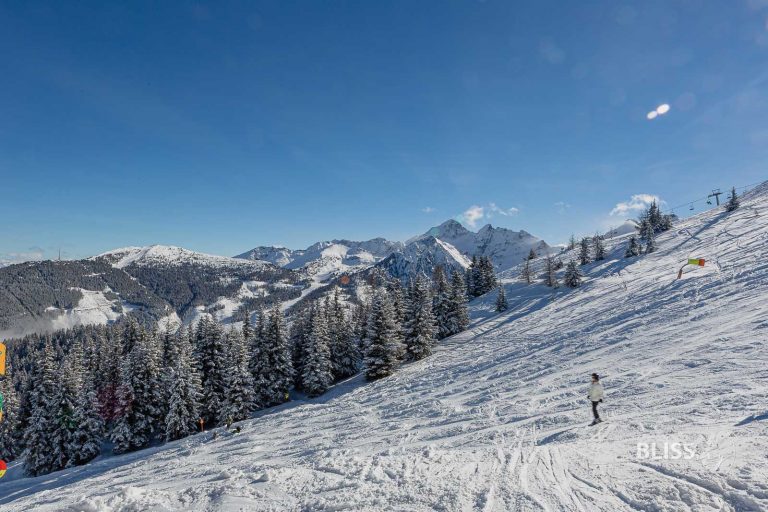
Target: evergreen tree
[650,238]
[185,393]
[633,248]
[572,276]
[487,276]
[317,373]
[666,222]
[299,337]
[420,327]
[383,343]
[501,301]
[441,305]
[599,247]
[733,201]
[84,442]
[9,446]
[459,316]
[584,251]
[550,273]
[572,242]
[110,353]
[276,377]
[139,396]
[472,278]
[654,216]
[211,355]
[532,254]
[345,352]
[39,454]
[526,274]
[239,399]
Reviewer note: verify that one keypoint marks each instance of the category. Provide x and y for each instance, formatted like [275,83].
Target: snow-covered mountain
[627,227]
[496,419]
[504,247]
[326,259]
[421,256]
[160,283]
[153,255]
[195,283]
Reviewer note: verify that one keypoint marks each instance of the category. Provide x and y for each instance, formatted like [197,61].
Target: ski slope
[496,419]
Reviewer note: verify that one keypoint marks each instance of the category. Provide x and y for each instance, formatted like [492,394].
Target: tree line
[128,386]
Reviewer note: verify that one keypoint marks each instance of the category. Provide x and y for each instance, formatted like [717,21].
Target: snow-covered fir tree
[420,329]
[633,248]
[109,355]
[84,442]
[441,304]
[211,356]
[458,314]
[532,254]
[550,272]
[299,337]
[62,409]
[488,275]
[472,278]
[501,300]
[584,251]
[572,275]
[733,201]
[39,454]
[650,238]
[599,247]
[345,352]
[317,372]
[276,381]
[571,243]
[183,412]
[239,399]
[526,274]
[383,342]
[139,396]
[9,446]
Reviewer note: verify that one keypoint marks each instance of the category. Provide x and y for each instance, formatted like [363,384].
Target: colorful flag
[3,467]
[2,359]
[696,261]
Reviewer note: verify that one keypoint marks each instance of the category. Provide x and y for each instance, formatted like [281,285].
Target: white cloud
[493,209]
[472,215]
[475,213]
[10,258]
[428,209]
[562,206]
[635,204]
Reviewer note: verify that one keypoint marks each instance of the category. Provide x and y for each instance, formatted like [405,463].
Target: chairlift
[691,208]
[709,201]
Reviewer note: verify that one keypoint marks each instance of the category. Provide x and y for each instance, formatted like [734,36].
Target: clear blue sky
[227,125]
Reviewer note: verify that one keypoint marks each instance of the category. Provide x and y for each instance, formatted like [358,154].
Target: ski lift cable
[704,199]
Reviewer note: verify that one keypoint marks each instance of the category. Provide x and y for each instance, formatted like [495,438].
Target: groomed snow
[496,419]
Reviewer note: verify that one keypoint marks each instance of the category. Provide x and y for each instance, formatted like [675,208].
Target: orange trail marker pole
[2,359]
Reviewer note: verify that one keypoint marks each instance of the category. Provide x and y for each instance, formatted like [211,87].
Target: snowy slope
[496,419]
[504,247]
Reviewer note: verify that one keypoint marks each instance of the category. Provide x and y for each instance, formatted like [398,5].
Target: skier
[595,395]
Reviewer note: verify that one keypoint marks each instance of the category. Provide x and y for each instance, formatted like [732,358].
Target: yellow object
[2,358]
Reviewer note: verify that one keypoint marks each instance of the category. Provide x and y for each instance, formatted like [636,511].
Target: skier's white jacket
[596,392]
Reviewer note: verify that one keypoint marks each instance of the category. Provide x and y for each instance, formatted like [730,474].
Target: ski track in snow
[496,419]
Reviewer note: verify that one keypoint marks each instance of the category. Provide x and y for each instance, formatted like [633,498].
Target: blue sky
[223,126]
